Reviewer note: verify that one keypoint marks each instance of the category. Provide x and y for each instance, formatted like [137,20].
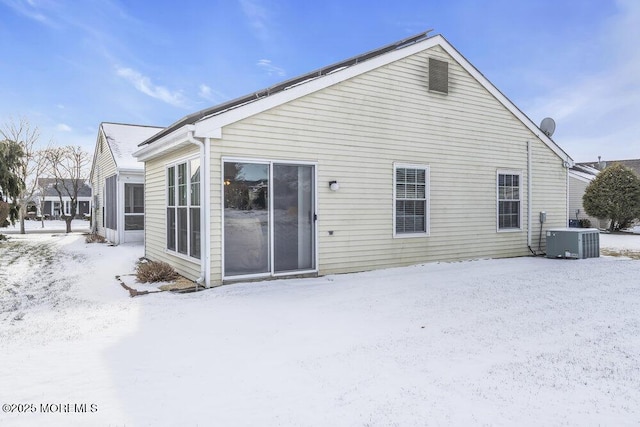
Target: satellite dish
[548,126]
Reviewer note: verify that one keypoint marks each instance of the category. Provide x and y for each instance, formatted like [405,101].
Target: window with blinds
[411,200]
[509,199]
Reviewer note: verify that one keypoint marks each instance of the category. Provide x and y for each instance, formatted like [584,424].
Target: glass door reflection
[246,218]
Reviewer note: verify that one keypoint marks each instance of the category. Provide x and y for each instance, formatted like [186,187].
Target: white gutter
[173,141]
[202,280]
[205,184]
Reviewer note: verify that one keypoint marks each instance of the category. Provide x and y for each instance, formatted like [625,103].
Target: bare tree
[68,165]
[33,163]
[41,186]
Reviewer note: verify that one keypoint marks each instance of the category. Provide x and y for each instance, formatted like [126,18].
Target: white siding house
[580,176]
[404,155]
[117,179]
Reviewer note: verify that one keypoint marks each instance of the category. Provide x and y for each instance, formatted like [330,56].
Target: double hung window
[183,208]
[509,200]
[411,200]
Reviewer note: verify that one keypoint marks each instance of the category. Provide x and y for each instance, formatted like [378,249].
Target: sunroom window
[183,208]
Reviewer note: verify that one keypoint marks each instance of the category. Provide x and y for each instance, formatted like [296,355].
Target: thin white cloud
[258,17]
[29,8]
[205,92]
[63,127]
[146,86]
[597,112]
[271,69]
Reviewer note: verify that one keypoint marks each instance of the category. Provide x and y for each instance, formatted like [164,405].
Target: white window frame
[427,200]
[514,172]
[188,206]
[271,163]
[124,205]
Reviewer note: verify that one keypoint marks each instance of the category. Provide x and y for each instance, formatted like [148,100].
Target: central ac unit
[573,243]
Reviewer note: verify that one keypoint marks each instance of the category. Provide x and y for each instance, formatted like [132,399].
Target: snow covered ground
[47,226]
[524,341]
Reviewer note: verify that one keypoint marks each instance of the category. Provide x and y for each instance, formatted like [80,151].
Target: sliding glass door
[246,218]
[269,218]
[293,217]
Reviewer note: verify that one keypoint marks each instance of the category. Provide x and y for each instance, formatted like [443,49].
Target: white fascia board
[129,171]
[580,176]
[167,143]
[211,127]
[94,163]
[504,100]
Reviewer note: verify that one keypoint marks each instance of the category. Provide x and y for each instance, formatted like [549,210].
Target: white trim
[581,176]
[427,211]
[174,163]
[206,200]
[211,127]
[271,261]
[508,172]
[177,139]
[130,233]
[567,197]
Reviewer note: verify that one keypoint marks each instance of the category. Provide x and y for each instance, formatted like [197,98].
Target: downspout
[206,184]
[94,203]
[202,280]
[529,196]
[567,165]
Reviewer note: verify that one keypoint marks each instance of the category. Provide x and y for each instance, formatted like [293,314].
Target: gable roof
[123,140]
[583,173]
[219,108]
[633,164]
[48,185]
[208,123]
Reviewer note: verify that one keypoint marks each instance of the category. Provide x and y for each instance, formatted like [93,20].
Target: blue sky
[68,65]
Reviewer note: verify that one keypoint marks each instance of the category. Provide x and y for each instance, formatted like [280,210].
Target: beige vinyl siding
[358,128]
[105,167]
[155,213]
[577,188]
[549,192]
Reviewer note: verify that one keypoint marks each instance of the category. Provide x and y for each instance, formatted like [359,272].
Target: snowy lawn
[525,341]
[53,225]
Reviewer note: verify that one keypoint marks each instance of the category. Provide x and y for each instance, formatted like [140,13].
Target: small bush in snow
[95,238]
[153,271]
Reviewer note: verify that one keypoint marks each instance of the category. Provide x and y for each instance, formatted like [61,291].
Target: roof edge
[263,93]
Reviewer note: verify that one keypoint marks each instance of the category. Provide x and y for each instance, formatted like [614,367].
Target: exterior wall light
[334,186]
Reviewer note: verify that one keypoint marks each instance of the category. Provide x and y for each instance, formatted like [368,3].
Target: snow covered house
[117,179]
[403,155]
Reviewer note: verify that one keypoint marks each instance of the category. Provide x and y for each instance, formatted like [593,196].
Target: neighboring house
[403,155]
[47,202]
[633,164]
[580,176]
[117,179]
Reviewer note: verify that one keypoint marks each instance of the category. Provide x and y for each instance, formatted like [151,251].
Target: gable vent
[438,76]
